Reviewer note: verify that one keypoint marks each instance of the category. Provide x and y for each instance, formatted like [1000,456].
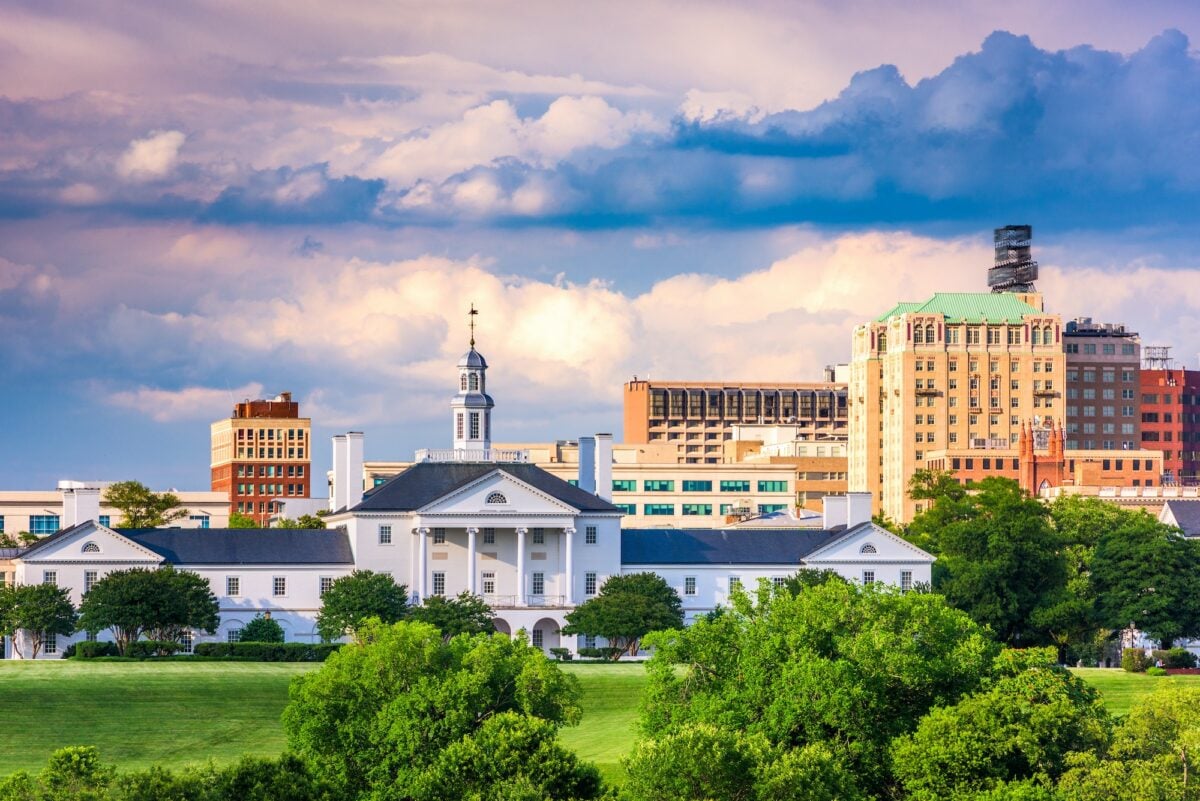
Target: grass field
[176,713]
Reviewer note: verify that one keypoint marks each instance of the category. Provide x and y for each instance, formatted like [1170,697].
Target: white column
[471,532]
[422,563]
[569,571]
[521,566]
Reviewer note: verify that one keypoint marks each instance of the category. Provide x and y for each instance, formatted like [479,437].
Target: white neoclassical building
[474,519]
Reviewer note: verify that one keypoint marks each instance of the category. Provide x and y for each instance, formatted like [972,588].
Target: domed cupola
[471,408]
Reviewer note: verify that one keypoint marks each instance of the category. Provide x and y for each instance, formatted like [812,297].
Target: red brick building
[1171,422]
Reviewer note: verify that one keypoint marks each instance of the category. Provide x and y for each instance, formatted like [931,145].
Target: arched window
[929,335]
[474,382]
[496,497]
[1047,337]
[462,383]
[90,547]
[868,548]
[918,335]
[1036,336]
[883,343]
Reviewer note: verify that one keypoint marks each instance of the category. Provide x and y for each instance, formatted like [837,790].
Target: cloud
[151,157]
[187,403]
[288,197]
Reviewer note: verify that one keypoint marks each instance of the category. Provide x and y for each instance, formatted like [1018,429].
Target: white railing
[472,455]
[513,601]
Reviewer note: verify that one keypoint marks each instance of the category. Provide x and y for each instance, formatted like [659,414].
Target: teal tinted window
[727,508]
[735,486]
[105,520]
[627,508]
[697,486]
[43,524]
[624,485]
[697,508]
[772,486]
[652,509]
[658,486]
[766,508]
[574,482]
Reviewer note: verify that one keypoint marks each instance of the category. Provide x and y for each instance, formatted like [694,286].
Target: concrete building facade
[1103,408]
[43,512]
[262,451]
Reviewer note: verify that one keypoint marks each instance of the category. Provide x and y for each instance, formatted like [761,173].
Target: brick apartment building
[1103,410]
[1170,409]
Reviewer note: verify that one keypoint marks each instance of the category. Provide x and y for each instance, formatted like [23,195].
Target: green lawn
[175,713]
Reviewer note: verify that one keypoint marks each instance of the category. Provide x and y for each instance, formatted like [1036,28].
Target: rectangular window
[589,583]
[233,635]
[385,535]
[186,642]
[658,485]
[772,486]
[627,508]
[697,486]
[201,521]
[589,535]
[735,584]
[489,536]
[439,583]
[735,486]
[43,524]
[474,425]
[768,508]
[689,585]
[537,638]
[905,580]
[89,579]
[324,585]
[279,586]
[658,509]
[1,524]
[233,586]
[697,508]
[50,577]
[868,577]
[538,584]
[778,582]
[488,582]
[50,643]
[439,536]
[105,520]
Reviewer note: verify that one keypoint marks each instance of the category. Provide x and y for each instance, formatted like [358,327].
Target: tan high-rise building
[260,453]
[960,370]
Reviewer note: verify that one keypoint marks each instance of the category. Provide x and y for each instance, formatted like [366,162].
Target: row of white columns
[567,554]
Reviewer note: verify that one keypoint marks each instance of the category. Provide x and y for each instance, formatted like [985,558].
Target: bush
[145,649]
[91,650]
[268,651]
[601,653]
[1180,658]
[1156,671]
[1134,660]
[561,654]
[262,629]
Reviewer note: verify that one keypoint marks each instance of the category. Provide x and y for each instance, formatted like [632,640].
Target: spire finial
[471,314]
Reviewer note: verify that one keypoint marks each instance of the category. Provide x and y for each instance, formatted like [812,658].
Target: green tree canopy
[838,664]
[161,603]
[464,614]
[239,520]
[379,716]
[303,521]
[626,609]
[262,629]
[999,559]
[35,610]
[355,598]
[141,507]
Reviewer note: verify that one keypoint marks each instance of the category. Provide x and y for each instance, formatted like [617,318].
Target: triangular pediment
[869,543]
[497,493]
[90,542]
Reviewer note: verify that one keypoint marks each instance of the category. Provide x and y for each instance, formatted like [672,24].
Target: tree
[378,717]
[1146,573]
[627,609]
[262,629]
[303,521]
[161,603]
[999,559]
[37,610]
[239,520]
[1023,727]
[140,507]
[465,614]
[848,666]
[352,599]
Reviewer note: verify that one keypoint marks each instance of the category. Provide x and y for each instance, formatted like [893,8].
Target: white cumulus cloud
[151,157]
[188,403]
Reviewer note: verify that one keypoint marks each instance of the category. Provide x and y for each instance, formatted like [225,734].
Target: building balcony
[472,455]
[523,602]
[1045,393]
[927,391]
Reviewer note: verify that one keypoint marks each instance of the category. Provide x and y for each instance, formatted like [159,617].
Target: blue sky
[209,202]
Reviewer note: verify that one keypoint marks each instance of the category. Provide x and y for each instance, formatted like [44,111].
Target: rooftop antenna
[471,314]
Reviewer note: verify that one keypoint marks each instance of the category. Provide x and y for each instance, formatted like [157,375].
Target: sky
[202,202]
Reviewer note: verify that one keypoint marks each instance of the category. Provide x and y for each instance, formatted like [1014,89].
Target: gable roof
[710,546]
[1186,515]
[46,542]
[242,546]
[968,307]
[426,482]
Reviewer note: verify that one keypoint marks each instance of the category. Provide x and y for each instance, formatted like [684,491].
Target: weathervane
[471,314]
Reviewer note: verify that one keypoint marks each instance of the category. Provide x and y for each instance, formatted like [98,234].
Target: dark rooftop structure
[1185,514]
[1014,269]
[709,546]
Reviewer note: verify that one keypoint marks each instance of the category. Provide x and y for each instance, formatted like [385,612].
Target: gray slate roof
[425,482]
[244,546]
[710,546]
[1187,516]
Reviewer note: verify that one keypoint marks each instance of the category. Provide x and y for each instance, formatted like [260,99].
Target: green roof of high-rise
[968,307]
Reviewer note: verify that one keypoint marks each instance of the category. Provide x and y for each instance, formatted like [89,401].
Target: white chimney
[81,503]
[587,464]
[337,494]
[604,461]
[354,468]
[858,508]
[835,511]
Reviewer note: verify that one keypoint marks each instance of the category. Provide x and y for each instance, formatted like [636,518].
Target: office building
[262,452]
[1103,408]
[1170,408]
[43,512]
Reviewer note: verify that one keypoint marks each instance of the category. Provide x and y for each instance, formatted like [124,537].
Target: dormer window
[496,497]
[90,547]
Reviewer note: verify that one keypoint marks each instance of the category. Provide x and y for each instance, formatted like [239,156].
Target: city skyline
[201,207]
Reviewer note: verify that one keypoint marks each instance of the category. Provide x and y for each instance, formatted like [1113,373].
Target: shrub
[268,651]
[262,629]
[1134,660]
[1156,671]
[145,649]
[1180,658]
[91,650]
[561,654]
[601,653]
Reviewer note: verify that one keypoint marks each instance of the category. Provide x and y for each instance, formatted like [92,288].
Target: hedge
[1135,660]
[268,651]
